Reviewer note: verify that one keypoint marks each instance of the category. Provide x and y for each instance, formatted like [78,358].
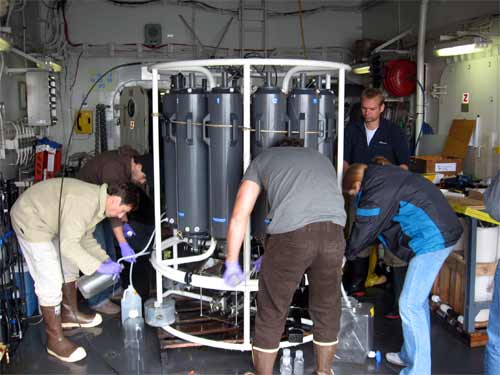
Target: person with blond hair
[370,138]
[411,218]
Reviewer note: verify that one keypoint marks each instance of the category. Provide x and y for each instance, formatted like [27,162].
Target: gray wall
[389,18]
[124,25]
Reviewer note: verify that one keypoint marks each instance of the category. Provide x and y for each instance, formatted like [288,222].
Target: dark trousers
[104,236]
[316,249]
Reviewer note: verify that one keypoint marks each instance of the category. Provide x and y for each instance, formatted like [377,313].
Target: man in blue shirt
[365,140]
[375,136]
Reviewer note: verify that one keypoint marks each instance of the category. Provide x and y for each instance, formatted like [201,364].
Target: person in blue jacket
[492,353]
[411,218]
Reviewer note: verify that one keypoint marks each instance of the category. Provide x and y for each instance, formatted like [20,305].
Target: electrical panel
[152,34]
[84,122]
[42,98]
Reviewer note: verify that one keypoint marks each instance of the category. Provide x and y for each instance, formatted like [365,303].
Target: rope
[244,128]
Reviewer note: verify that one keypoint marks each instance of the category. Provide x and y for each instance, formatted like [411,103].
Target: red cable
[66,32]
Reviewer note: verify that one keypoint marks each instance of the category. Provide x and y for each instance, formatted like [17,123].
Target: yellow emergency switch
[84,122]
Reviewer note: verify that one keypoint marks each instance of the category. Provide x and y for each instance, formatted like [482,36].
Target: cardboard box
[450,162]
[437,164]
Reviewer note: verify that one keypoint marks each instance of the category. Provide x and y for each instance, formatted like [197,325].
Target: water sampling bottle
[131,301]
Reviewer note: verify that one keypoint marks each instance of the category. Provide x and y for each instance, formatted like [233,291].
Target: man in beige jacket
[55,233]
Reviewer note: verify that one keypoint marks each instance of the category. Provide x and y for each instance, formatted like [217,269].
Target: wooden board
[476,204]
[477,339]
[450,283]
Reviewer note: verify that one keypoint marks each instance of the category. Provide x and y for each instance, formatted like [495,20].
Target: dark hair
[291,142]
[128,151]
[138,159]
[128,192]
[371,93]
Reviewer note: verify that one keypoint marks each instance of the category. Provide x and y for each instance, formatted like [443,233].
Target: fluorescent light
[49,65]
[55,67]
[461,46]
[4,44]
[361,69]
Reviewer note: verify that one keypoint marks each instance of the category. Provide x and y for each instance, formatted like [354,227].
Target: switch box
[41,98]
[152,34]
[84,122]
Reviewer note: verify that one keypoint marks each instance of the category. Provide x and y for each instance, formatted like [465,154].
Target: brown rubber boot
[263,362]
[324,359]
[71,317]
[57,345]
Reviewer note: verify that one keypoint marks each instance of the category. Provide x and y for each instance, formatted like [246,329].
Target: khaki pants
[316,249]
[43,263]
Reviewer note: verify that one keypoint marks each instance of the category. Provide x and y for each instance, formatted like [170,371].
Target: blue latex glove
[233,274]
[128,231]
[127,251]
[110,268]
[257,264]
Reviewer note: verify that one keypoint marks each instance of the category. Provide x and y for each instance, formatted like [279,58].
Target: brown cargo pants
[317,250]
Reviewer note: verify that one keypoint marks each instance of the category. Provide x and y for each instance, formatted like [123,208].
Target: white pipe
[227,345]
[39,62]
[187,294]
[390,41]
[199,281]
[328,83]
[246,162]
[194,69]
[301,69]
[340,128]
[192,259]
[182,65]
[175,252]
[156,184]
[420,71]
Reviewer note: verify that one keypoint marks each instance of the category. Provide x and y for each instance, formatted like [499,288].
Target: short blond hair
[371,93]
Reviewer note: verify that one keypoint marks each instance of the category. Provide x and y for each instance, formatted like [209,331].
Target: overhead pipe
[196,69]
[420,110]
[301,69]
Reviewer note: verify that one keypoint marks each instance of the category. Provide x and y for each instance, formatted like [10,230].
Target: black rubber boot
[355,275]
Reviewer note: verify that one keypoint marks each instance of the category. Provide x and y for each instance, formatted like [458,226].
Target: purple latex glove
[257,264]
[233,274]
[128,231]
[110,268]
[127,251]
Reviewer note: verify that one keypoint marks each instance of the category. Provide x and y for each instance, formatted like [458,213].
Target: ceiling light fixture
[461,46]
[361,69]
[4,44]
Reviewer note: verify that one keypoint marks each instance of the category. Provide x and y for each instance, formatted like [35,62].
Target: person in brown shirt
[111,167]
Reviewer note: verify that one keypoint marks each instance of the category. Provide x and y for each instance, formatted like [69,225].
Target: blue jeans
[415,313]
[492,354]
[104,237]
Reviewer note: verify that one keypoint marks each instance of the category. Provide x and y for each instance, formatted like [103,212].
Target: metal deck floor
[106,354]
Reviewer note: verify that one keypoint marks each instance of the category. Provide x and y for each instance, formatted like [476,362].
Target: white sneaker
[395,359]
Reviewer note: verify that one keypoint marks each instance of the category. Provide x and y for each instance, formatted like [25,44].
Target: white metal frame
[170,270]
